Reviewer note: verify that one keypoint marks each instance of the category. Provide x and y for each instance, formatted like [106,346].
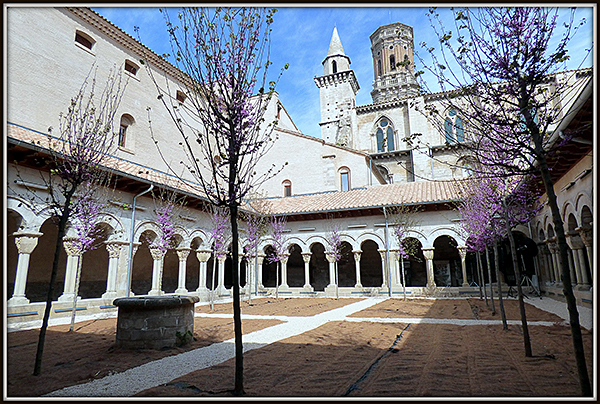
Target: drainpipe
[387,254]
[131,239]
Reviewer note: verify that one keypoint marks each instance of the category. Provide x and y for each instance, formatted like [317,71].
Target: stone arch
[310,242]
[141,267]
[583,199]
[415,270]
[39,270]
[444,231]
[269,268]
[568,209]
[14,224]
[350,240]
[587,217]
[318,265]
[418,235]
[29,218]
[295,266]
[376,238]
[346,265]
[94,264]
[447,268]
[298,241]
[371,265]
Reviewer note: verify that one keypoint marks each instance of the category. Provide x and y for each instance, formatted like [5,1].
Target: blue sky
[301,37]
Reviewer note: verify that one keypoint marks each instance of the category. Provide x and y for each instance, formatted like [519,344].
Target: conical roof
[335,46]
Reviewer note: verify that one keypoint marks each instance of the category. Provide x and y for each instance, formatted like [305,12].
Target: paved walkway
[162,371]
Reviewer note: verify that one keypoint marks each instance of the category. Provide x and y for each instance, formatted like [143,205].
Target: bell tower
[338,87]
[392,49]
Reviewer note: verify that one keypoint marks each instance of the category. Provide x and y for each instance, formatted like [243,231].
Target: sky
[301,37]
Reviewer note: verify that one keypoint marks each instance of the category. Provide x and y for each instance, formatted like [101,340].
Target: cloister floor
[394,348]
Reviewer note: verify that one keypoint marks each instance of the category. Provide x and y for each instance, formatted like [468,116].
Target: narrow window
[84,40]
[380,145]
[180,96]
[287,188]
[334,66]
[131,67]
[126,121]
[345,179]
[460,133]
[448,130]
[379,67]
[392,62]
[390,139]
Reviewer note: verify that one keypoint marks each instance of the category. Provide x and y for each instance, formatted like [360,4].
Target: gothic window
[287,188]
[454,127]
[392,62]
[385,143]
[345,179]
[84,40]
[334,66]
[126,121]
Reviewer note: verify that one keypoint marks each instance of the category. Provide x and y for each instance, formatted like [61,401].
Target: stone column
[73,256]
[259,262]
[284,260]
[428,253]
[357,254]
[576,245]
[221,289]
[384,284]
[571,267]
[462,251]
[307,286]
[555,268]
[331,288]
[250,259]
[157,269]
[587,237]
[114,250]
[203,256]
[543,262]
[122,275]
[26,243]
[394,257]
[182,254]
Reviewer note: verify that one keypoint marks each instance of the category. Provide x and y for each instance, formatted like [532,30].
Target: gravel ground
[164,370]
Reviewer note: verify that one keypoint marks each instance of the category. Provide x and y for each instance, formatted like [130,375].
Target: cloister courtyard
[317,347]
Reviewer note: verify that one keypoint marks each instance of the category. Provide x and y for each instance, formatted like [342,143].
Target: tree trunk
[62,225]
[561,240]
[482,277]
[489,268]
[77,280]
[513,252]
[500,301]
[237,318]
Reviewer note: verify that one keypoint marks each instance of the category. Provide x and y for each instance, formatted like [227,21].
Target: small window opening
[126,122]
[84,40]
[345,179]
[392,62]
[334,66]
[180,96]
[131,67]
[287,188]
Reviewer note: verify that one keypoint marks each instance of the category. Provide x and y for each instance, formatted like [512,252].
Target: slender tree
[277,228]
[222,56]
[404,218]
[500,70]
[76,157]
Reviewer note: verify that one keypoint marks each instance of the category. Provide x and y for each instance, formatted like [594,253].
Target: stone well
[153,322]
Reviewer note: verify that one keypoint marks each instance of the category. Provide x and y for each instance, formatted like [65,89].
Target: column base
[582,287]
[67,297]
[109,295]
[155,293]
[181,291]
[330,290]
[17,301]
[220,291]
[308,288]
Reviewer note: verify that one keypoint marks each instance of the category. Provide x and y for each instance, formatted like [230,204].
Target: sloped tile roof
[421,192]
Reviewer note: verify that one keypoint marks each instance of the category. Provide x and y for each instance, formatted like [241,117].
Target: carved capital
[574,241]
[428,253]
[260,259]
[203,255]
[462,251]
[306,257]
[587,236]
[330,257]
[382,253]
[114,249]
[156,252]
[284,258]
[357,254]
[26,242]
[72,246]
[183,253]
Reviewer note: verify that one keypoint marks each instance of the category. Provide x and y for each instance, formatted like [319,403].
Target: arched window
[334,66]
[287,188]
[84,39]
[126,121]
[453,127]
[344,179]
[379,67]
[392,62]
[385,143]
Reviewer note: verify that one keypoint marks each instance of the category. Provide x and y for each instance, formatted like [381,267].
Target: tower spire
[335,46]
